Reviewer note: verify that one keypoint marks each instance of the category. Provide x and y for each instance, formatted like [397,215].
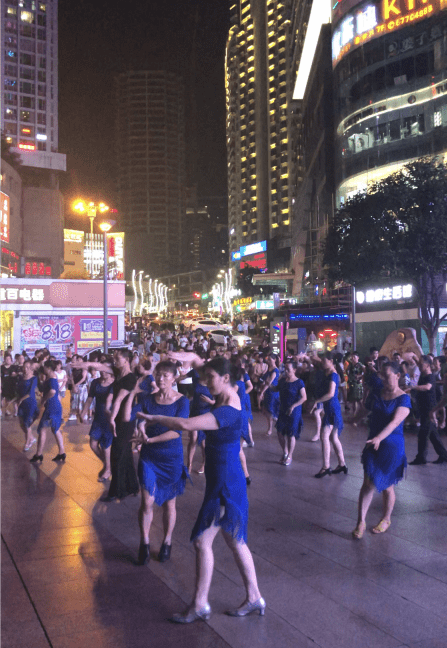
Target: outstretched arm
[203,422]
[187,356]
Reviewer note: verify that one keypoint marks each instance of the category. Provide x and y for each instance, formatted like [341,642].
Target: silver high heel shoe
[204,613]
[257,606]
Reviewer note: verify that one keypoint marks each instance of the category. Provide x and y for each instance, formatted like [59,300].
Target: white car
[206,325]
[221,336]
[112,346]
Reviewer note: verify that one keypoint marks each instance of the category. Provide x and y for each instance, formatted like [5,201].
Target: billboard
[357,23]
[57,332]
[4,217]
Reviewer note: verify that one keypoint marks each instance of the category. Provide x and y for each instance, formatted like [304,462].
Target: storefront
[55,314]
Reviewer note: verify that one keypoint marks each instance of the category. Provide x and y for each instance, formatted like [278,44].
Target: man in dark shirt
[426,398]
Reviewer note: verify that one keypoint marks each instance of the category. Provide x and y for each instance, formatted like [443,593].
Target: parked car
[205,325]
[113,346]
[221,336]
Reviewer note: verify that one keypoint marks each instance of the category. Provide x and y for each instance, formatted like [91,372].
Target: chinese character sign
[377,295]
[4,217]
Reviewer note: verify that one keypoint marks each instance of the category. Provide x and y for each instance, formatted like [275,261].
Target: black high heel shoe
[36,458]
[248,481]
[59,457]
[323,473]
[165,552]
[143,554]
[340,469]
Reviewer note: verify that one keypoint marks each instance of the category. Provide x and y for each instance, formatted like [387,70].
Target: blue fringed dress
[52,414]
[241,392]
[101,430]
[247,400]
[332,409]
[289,393]
[28,410]
[161,470]
[385,466]
[199,407]
[271,398]
[225,481]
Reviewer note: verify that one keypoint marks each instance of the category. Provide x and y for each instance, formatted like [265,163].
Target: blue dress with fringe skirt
[28,409]
[242,397]
[247,400]
[225,481]
[52,414]
[332,410]
[290,393]
[271,398]
[161,470]
[199,407]
[385,466]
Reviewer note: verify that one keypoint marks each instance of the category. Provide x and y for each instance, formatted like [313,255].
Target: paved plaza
[69,578]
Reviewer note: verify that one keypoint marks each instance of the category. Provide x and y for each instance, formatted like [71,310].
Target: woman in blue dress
[202,401]
[332,420]
[52,414]
[225,506]
[28,410]
[161,471]
[238,374]
[383,457]
[268,397]
[101,435]
[292,395]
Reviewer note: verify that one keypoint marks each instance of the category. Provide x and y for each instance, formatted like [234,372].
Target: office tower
[259,123]
[29,116]
[150,150]
[390,62]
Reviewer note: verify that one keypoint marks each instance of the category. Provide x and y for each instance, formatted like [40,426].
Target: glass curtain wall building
[259,122]
[390,81]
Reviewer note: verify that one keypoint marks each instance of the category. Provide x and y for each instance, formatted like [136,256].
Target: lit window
[12,11]
[437,118]
[286,222]
[274,225]
[27,16]
[42,7]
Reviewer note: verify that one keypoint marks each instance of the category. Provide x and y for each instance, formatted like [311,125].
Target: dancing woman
[101,435]
[225,506]
[383,458]
[292,395]
[161,471]
[332,421]
[52,414]
[268,397]
[202,402]
[28,410]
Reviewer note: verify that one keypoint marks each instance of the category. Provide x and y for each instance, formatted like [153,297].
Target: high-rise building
[390,63]
[150,149]
[260,123]
[29,54]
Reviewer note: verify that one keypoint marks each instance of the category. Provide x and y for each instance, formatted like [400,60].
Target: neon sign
[246,250]
[376,295]
[374,18]
[4,217]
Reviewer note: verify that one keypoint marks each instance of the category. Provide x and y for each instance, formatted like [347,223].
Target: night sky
[99,39]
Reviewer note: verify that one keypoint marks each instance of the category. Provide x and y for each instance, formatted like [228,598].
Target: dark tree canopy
[397,228]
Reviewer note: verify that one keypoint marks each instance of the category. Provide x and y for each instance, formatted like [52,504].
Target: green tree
[11,157]
[396,228]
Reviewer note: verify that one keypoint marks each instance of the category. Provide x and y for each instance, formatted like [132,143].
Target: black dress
[124,477]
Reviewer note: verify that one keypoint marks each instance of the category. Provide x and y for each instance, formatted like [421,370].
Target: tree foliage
[9,156]
[396,228]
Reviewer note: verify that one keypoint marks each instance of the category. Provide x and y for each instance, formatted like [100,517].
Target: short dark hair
[221,366]
[372,349]
[166,365]
[394,366]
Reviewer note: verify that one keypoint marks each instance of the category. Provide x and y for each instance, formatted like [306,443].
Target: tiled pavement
[69,579]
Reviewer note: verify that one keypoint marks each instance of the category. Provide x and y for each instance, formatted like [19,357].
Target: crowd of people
[140,401]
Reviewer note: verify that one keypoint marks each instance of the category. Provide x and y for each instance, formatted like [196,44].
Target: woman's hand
[140,437]
[290,410]
[147,417]
[313,408]
[375,442]
[204,398]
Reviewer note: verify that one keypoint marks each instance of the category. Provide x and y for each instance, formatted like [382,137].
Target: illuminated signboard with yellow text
[373,18]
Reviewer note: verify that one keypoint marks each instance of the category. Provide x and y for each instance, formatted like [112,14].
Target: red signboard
[4,217]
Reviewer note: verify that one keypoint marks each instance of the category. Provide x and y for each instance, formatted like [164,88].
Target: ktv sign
[373,18]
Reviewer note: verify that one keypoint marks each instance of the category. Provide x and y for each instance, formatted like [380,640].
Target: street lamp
[91,209]
[105,226]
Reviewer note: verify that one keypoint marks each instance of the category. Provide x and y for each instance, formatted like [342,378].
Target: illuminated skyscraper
[150,148]
[29,46]
[259,122]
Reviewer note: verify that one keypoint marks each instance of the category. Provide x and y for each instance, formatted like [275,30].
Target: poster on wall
[58,332]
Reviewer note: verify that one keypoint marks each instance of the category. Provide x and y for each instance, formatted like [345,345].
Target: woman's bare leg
[169,519]
[365,499]
[191,448]
[246,566]
[243,462]
[204,566]
[145,515]
[326,447]
[337,446]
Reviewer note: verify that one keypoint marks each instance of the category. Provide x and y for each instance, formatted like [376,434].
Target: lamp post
[105,226]
[91,208]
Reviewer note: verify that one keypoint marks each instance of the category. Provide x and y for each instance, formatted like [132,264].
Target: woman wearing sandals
[268,397]
[383,458]
[161,471]
[292,394]
[52,414]
[332,421]
[28,409]
[225,506]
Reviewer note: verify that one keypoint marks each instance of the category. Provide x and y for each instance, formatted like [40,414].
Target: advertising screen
[4,217]
[357,23]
